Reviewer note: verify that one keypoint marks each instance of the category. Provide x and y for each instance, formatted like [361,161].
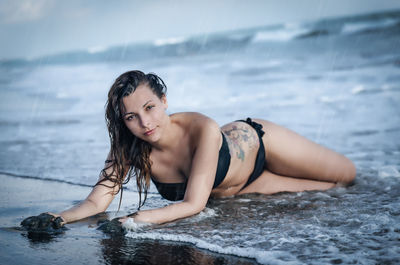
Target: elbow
[349,172]
[196,208]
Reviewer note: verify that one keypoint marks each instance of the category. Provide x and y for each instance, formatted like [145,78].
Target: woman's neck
[169,136]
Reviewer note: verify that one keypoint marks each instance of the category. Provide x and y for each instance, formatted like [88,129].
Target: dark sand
[82,243]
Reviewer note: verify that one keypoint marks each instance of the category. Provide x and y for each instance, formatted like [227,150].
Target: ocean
[335,81]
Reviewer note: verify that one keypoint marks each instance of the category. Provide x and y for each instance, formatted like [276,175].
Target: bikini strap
[258,127]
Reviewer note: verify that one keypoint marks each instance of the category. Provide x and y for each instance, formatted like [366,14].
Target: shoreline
[82,243]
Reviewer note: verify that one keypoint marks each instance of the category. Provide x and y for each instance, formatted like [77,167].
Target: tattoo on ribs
[240,136]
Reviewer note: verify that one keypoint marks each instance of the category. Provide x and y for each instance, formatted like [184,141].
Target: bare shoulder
[195,121]
[201,124]
[196,124]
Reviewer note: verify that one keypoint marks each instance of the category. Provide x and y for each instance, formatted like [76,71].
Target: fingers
[132,214]
[125,218]
[113,227]
[53,214]
[58,222]
[63,222]
[122,220]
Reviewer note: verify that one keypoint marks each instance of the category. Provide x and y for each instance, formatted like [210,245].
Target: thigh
[270,183]
[290,154]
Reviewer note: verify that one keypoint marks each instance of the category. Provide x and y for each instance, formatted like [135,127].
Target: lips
[150,132]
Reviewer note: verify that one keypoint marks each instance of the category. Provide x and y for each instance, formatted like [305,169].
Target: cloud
[12,11]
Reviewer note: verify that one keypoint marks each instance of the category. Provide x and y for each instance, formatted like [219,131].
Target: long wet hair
[129,155]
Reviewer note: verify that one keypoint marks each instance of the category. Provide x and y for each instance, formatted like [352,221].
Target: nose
[144,121]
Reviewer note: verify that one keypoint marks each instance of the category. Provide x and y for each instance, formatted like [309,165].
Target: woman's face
[145,113]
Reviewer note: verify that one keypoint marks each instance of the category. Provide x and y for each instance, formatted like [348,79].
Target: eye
[130,117]
[149,107]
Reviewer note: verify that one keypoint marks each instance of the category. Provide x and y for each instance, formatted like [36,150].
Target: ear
[164,101]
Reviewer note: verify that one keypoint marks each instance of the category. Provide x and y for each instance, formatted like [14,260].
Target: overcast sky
[31,28]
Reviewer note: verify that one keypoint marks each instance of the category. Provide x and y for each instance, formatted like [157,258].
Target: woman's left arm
[200,181]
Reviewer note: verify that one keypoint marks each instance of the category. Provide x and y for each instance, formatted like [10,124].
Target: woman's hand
[63,222]
[113,227]
[122,220]
[44,222]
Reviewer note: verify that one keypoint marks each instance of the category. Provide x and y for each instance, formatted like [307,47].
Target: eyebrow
[144,105]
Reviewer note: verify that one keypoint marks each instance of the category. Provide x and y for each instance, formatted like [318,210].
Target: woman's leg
[270,183]
[289,154]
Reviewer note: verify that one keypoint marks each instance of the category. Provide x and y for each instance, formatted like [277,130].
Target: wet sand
[82,243]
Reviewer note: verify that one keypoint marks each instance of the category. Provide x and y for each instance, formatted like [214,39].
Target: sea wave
[169,41]
[221,41]
[360,26]
[283,32]
[261,256]
[97,49]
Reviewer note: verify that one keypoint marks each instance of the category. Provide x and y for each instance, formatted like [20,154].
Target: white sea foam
[358,89]
[62,94]
[169,41]
[130,224]
[262,256]
[288,32]
[330,99]
[353,27]
[97,49]
[244,200]
[206,213]
[388,171]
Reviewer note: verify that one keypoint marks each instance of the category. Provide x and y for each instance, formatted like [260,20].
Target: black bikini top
[176,191]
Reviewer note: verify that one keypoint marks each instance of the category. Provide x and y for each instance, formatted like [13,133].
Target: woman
[190,158]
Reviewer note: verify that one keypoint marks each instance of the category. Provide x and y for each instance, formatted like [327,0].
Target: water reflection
[121,250]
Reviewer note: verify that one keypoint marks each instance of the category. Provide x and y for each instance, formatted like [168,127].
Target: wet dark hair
[129,155]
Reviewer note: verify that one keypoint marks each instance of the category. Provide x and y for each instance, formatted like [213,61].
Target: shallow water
[354,225]
[340,88]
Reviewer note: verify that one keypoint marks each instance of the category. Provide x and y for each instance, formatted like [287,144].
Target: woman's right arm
[96,202]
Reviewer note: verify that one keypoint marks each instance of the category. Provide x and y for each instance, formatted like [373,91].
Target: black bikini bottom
[260,159]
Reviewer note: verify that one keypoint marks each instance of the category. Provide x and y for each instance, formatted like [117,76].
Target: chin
[155,137]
